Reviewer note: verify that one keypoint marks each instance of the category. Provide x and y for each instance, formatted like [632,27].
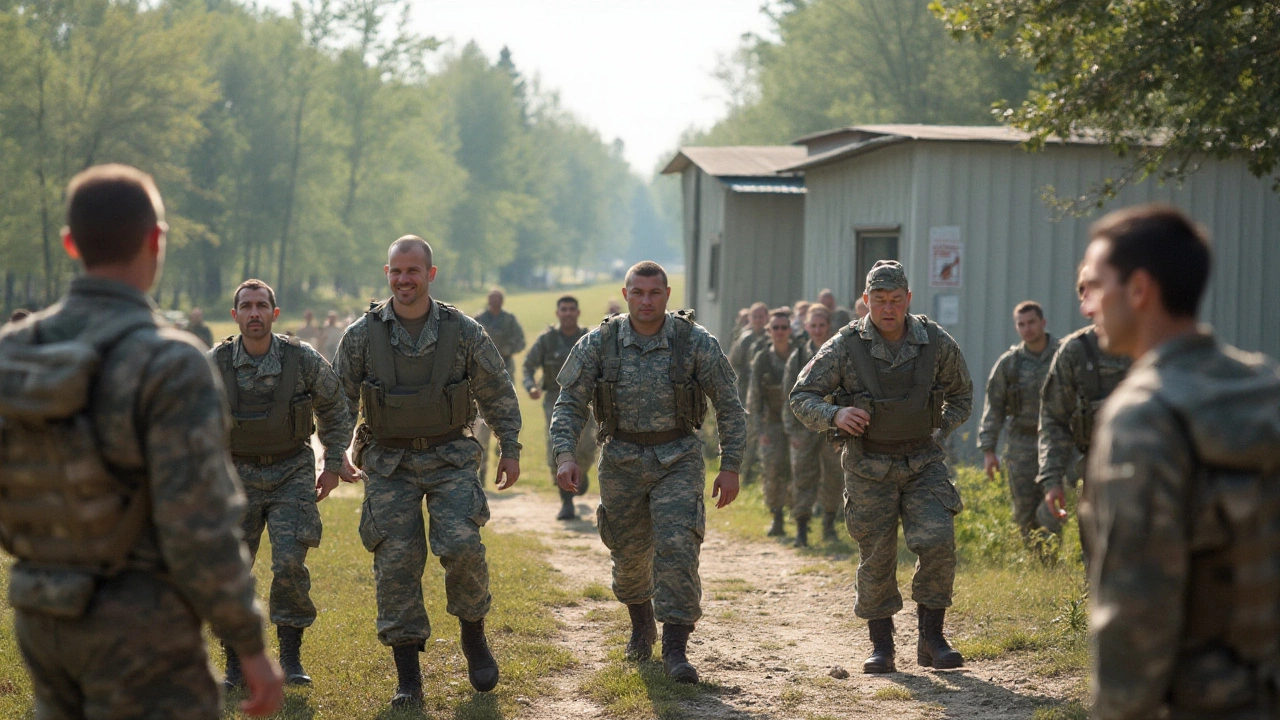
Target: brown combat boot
[644,631]
[933,650]
[881,660]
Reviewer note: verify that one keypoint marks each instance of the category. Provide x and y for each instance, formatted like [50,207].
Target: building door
[872,245]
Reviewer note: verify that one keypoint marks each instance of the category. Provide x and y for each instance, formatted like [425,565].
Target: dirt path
[775,624]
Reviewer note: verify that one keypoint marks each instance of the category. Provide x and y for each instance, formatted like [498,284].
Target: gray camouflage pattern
[767,369]
[815,461]
[549,346]
[744,348]
[507,335]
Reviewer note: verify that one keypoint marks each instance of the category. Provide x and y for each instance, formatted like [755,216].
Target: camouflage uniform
[881,488]
[1013,393]
[766,403]
[391,523]
[840,317]
[203,332]
[282,494]
[551,349]
[1184,501]
[740,355]
[160,418]
[815,461]
[508,336]
[651,514]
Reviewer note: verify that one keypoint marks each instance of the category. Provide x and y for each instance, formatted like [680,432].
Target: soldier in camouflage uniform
[900,386]
[840,315]
[1013,393]
[548,354]
[197,327]
[1183,488]
[815,461]
[116,491]
[276,384]
[648,374]
[744,348]
[765,402]
[417,368]
[508,336]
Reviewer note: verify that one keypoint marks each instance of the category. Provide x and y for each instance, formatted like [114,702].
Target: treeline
[846,62]
[296,148]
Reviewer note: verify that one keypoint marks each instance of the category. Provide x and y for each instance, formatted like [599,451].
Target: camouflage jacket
[1058,399]
[1032,370]
[646,397]
[550,348]
[740,355]
[803,353]
[504,330]
[767,369]
[159,408]
[259,376]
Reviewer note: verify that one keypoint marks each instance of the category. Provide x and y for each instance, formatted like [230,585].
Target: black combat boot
[777,529]
[933,650]
[234,678]
[802,532]
[675,646]
[584,482]
[482,669]
[567,510]
[881,660]
[644,631]
[829,528]
[291,655]
[408,676]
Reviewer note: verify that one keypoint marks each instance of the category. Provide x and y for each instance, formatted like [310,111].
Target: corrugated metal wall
[763,255]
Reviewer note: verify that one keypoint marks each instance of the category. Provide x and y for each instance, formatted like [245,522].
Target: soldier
[753,338]
[860,309]
[196,326]
[508,336]
[1184,488]
[1013,393]
[801,308]
[116,491]
[900,386]
[417,368]
[309,333]
[276,384]
[648,374]
[330,336]
[815,462]
[766,405]
[548,354]
[840,315]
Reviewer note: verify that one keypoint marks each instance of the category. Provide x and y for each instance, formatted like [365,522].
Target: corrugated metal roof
[736,161]
[789,185]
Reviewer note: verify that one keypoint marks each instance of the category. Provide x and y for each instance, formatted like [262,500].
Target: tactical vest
[691,402]
[555,357]
[63,509]
[1091,393]
[407,398]
[904,408]
[1013,386]
[771,388]
[270,426]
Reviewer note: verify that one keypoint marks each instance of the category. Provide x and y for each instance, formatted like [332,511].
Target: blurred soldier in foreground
[815,461]
[417,368]
[196,327]
[766,402]
[900,386]
[505,332]
[548,354]
[279,389]
[1013,394]
[116,491]
[840,315]
[648,374]
[1184,488]
[753,338]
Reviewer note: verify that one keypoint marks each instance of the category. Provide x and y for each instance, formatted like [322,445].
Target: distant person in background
[196,326]
[505,331]
[801,308]
[309,332]
[330,336]
[815,462]
[766,401]
[840,315]
[19,314]
[614,308]
[741,353]
[860,308]
[739,326]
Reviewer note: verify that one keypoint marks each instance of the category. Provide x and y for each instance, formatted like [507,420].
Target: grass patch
[1074,710]
[894,693]
[642,691]
[597,591]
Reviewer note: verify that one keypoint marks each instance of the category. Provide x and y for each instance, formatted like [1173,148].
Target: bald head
[410,244]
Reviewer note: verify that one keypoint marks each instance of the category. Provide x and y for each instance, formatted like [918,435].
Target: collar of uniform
[629,336]
[400,336]
[269,364]
[1201,339]
[1050,347]
[486,317]
[99,288]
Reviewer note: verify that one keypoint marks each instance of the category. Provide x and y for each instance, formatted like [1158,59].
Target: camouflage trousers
[926,502]
[282,501]
[775,464]
[816,473]
[392,528]
[587,450]
[653,521]
[1021,465]
[751,452]
[137,652]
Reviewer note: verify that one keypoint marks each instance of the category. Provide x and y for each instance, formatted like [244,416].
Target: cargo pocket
[479,506]
[602,525]
[370,535]
[57,593]
[309,528]
[700,520]
[948,495]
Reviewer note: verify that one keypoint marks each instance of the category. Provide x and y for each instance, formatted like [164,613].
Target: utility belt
[421,443]
[272,459]
[650,439]
[905,447]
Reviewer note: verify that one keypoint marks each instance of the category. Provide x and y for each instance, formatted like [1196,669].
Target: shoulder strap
[1013,370]
[609,344]
[228,372]
[288,374]
[384,367]
[863,363]
[1091,353]
[928,357]
[680,349]
[446,346]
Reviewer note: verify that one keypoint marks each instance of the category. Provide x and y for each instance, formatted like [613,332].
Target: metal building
[743,229]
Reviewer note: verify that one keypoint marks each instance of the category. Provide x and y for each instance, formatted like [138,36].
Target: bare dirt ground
[775,625]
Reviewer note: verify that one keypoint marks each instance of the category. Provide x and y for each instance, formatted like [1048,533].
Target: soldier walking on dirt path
[648,374]
[766,401]
[753,338]
[417,368]
[505,331]
[815,461]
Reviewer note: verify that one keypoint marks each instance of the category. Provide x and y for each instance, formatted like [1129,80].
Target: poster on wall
[946,257]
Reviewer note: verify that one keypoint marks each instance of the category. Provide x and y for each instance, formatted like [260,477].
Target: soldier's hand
[266,685]
[990,464]
[1056,501]
[853,420]
[508,473]
[535,393]
[725,487]
[325,484]
[568,476]
[350,473]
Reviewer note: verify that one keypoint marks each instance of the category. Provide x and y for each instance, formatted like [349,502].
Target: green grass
[1074,710]
[354,674]
[894,693]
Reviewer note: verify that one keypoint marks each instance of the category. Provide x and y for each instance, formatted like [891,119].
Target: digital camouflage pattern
[551,349]
[391,523]
[880,489]
[1195,422]
[1021,459]
[651,513]
[507,335]
[766,403]
[740,355]
[815,461]
[282,496]
[138,650]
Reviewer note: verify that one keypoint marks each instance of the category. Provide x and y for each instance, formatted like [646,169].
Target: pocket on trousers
[602,526]
[479,506]
[948,495]
[700,520]
[309,527]
[370,535]
[57,593]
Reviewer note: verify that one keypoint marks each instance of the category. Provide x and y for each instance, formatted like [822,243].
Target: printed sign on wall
[946,257]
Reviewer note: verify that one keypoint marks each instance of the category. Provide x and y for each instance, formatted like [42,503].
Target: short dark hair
[1165,242]
[566,299]
[408,242]
[1029,306]
[253,285]
[110,211]
[782,312]
[646,268]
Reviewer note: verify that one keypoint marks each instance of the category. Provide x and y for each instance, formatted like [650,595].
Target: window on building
[713,268]
[872,244]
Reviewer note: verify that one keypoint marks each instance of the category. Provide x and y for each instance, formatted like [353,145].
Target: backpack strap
[1093,373]
[384,367]
[446,346]
[680,349]
[611,363]
[928,357]
[863,364]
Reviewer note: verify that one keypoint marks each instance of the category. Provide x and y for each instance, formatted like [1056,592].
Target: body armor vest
[275,424]
[1093,392]
[408,397]
[555,358]
[904,407]
[691,403]
[771,386]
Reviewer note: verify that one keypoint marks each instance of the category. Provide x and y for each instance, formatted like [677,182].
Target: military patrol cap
[886,275]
